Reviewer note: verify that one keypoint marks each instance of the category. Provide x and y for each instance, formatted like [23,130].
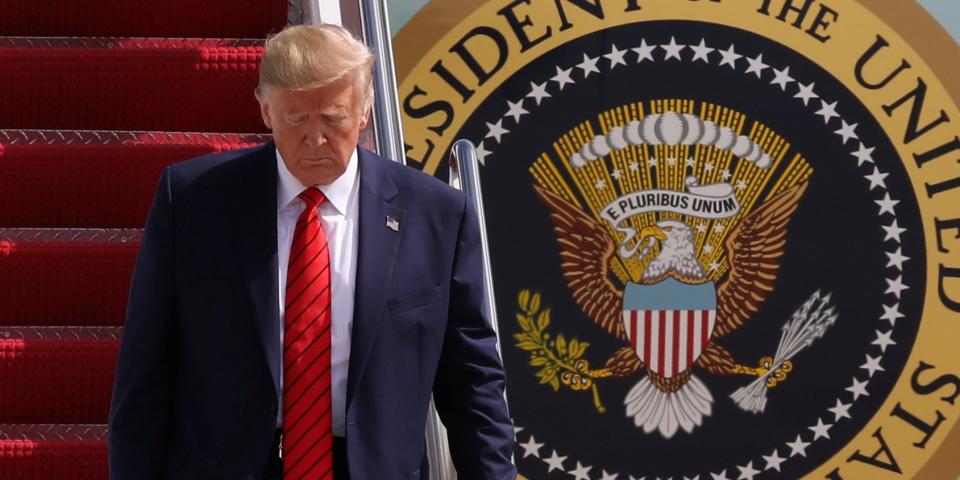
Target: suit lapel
[376,256]
[256,237]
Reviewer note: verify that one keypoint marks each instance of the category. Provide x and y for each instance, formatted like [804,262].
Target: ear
[365,119]
[265,112]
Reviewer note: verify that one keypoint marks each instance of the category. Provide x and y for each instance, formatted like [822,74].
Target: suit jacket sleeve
[140,407]
[470,382]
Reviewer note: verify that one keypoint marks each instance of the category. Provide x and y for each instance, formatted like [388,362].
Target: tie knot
[312,197]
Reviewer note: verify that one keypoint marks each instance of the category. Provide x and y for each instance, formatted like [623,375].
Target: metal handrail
[465,175]
[386,111]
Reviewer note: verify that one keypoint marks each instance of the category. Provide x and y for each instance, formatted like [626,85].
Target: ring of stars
[781,79]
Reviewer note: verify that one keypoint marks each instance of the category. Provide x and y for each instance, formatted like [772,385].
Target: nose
[315,136]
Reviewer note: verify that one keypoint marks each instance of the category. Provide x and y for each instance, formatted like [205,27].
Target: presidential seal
[724,234]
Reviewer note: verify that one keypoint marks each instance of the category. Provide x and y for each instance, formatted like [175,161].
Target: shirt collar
[337,192]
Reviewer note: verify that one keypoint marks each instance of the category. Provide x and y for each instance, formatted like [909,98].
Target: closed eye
[296,119]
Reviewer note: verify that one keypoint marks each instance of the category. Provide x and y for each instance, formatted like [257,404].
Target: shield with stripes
[669,323]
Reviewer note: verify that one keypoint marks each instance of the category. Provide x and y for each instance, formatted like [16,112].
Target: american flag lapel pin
[393,224]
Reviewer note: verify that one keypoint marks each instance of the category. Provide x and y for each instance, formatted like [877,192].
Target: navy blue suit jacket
[196,389]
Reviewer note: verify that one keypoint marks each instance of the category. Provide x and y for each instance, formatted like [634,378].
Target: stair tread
[100,179]
[219,18]
[34,137]
[43,44]
[174,84]
[53,432]
[87,271]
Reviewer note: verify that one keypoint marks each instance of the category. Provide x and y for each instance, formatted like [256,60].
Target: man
[379,270]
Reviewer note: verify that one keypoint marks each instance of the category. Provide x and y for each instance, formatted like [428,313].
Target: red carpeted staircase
[96,97]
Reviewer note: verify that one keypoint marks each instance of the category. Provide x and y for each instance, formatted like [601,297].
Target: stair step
[42,452]
[93,179]
[57,374]
[93,18]
[65,276]
[203,85]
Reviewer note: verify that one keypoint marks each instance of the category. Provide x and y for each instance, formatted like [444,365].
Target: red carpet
[64,277]
[200,85]
[70,452]
[96,97]
[126,18]
[63,374]
[79,178]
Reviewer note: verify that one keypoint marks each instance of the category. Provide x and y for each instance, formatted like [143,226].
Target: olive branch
[560,360]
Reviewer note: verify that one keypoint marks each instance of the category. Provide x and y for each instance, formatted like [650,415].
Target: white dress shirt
[340,215]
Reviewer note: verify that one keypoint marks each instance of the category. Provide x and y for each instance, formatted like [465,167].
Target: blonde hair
[305,57]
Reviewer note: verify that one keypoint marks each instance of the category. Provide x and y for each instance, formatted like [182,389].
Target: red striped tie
[307,438]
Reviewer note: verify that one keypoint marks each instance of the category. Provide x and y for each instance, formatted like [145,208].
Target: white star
[883,340]
[672,161]
[892,314]
[893,231]
[730,57]
[841,410]
[887,204]
[600,185]
[714,266]
[482,154]
[496,130]
[863,154]
[798,447]
[563,77]
[531,448]
[725,175]
[652,162]
[582,472]
[741,185]
[806,93]
[701,228]
[616,174]
[773,460]
[895,286]
[555,462]
[634,166]
[615,56]
[747,472]
[708,167]
[821,430]
[672,49]
[701,52]
[690,162]
[609,476]
[827,111]
[644,51]
[515,110]
[718,228]
[858,389]
[877,179]
[708,248]
[719,476]
[538,91]
[897,258]
[782,78]
[847,131]
[589,65]
[756,66]
[872,366]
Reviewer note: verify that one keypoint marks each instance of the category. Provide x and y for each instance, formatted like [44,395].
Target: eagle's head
[676,254]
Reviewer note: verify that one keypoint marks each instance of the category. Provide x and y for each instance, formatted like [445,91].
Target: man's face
[315,130]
